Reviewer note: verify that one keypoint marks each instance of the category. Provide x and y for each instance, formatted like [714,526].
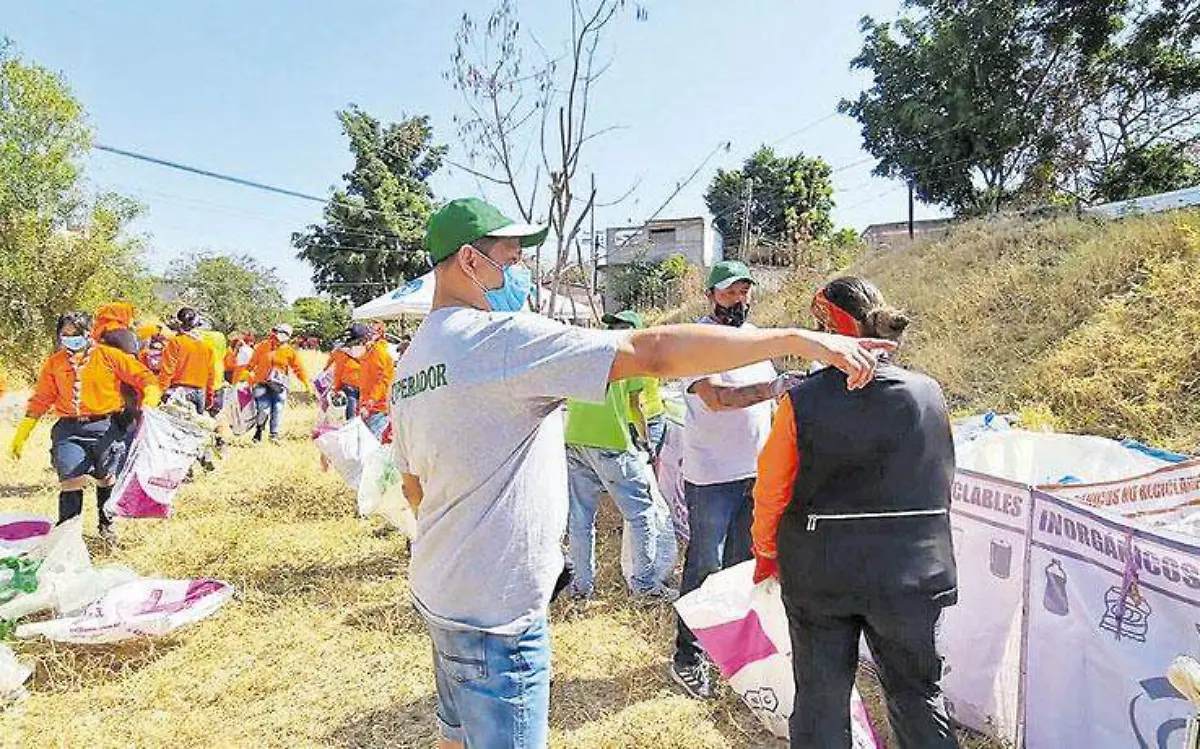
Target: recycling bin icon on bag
[1055,598]
[1000,559]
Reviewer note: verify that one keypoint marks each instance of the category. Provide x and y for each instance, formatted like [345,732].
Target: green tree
[42,137]
[232,293]
[789,199]
[371,238]
[643,285]
[983,103]
[46,270]
[327,318]
[1146,123]
[60,249]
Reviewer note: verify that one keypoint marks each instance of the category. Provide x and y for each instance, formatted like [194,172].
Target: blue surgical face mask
[74,343]
[514,292]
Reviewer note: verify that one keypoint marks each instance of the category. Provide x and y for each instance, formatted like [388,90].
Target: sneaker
[108,534]
[693,680]
[656,597]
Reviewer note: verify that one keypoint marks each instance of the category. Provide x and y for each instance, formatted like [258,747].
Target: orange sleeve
[298,368]
[335,363]
[169,363]
[778,466]
[45,392]
[130,371]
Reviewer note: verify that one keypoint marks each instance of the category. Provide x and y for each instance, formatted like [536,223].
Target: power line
[229,178]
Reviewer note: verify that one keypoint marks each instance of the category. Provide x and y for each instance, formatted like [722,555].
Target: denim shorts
[493,690]
[87,448]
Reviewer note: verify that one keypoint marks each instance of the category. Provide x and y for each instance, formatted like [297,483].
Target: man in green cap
[727,421]
[647,409]
[478,436]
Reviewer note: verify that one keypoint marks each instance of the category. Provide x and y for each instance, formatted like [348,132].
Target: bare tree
[513,110]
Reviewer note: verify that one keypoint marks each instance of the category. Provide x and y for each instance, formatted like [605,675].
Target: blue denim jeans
[719,517]
[493,691]
[590,471]
[270,410]
[377,423]
[351,394]
[190,395]
[87,448]
[657,429]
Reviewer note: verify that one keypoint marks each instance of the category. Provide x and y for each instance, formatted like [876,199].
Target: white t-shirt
[723,446]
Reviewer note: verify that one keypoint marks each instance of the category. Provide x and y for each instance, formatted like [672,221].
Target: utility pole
[911,228]
[745,240]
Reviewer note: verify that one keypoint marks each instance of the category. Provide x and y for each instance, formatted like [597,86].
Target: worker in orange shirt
[238,357]
[375,375]
[82,382]
[188,367]
[274,360]
[346,362]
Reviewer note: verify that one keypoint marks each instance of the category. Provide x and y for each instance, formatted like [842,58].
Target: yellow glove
[151,396]
[23,432]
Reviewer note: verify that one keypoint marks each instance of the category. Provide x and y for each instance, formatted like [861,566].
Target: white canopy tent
[413,298]
[416,298]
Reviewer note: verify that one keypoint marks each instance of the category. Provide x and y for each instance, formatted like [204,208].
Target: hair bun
[886,322]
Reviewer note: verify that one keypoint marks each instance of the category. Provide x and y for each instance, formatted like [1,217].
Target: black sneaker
[693,680]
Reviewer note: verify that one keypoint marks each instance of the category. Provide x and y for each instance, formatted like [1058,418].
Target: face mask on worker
[734,315]
[513,293]
[282,337]
[74,343]
[358,351]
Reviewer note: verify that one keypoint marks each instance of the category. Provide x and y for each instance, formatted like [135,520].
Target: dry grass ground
[1089,324]
[320,648]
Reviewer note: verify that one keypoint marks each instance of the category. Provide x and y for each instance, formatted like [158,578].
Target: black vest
[885,450]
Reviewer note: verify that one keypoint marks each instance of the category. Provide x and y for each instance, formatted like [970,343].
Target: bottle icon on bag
[1055,599]
[1000,562]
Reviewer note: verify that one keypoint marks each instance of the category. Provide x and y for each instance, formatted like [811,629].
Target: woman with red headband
[851,513]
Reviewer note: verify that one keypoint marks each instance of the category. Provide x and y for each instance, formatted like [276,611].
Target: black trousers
[825,636]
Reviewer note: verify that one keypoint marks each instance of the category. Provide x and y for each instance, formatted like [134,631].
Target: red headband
[834,318]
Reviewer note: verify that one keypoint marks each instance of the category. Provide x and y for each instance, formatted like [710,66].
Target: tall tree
[327,318]
[232,293]
[371,238]
[978,104]
[783,200]
[60,249]
[1146,121]
[529,116]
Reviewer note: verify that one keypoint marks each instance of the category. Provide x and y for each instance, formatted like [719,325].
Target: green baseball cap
[465,220]
[629,317]
[728,272]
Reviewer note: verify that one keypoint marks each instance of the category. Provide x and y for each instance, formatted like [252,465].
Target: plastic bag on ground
[66,579]
[666,548]
[381,492]
[21,533]
[240,409]
[12,406]
[145,607]
[744,630]
[12,675]
[160,455]
[347,448]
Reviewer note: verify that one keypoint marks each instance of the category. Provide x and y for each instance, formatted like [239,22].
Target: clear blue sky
[251,89]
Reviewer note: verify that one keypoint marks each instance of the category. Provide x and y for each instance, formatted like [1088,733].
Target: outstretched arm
[691,350]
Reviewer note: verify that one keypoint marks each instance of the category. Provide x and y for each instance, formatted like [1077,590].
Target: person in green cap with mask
[478,437]
[726,423]
[647,410]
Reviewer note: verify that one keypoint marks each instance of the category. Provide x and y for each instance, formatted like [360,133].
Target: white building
[694,238]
